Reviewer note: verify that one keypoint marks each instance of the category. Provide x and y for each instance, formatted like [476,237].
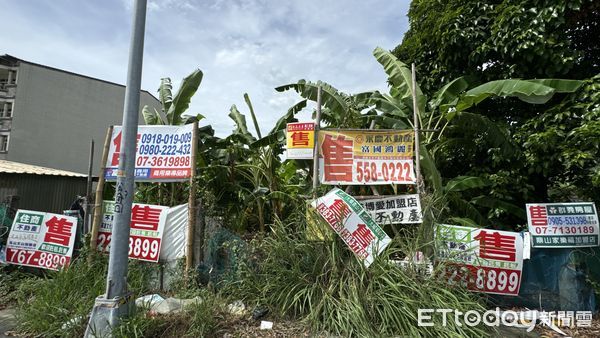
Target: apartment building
[48,116]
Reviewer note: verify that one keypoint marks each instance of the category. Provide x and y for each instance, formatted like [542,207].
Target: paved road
[7,321]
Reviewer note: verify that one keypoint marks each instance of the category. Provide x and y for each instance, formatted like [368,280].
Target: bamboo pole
[100,192]
[316,148]
[88,191]
[416,128]
[189,259]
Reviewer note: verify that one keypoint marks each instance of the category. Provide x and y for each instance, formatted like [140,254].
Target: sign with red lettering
[353,224]
[145,235]
[300,142]
[41,240]
[163,153]
[481,260]
[366,157]
[563,225]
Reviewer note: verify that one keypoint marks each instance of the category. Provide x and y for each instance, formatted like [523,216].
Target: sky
[241,46]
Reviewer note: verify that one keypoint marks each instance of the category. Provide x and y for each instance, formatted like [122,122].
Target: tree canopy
[528,153]
[491,40]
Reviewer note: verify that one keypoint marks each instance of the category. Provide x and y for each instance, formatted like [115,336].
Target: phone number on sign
[150,149]
[36,258]
[484,279]
[368,171]
[139,247]
[159,161]
[571,220]
[565,230]
[166,138]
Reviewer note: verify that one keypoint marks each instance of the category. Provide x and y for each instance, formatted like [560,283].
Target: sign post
[99,192]
[316,149]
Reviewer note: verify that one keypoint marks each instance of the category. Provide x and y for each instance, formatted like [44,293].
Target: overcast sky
[240,45]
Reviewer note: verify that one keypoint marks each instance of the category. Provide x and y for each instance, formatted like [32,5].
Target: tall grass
[326,286]
[46,304]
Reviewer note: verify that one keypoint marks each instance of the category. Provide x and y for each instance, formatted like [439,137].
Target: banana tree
[174,107]
[172,112]
[449,108]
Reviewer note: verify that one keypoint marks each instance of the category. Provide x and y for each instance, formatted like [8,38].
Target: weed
[326,286]
[47,304]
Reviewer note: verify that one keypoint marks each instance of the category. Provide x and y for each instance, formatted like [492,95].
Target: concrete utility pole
[116,303]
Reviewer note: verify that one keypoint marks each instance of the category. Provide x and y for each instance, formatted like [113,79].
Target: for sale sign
[300,140]
[146,230]
[366,157]
[163,153]
[481,260]
[353,224]
[401,209]
[563,225]
[41,240]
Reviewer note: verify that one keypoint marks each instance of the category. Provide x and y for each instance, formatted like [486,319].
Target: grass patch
[10,279]
[46,303]
[202,319]
[323,284]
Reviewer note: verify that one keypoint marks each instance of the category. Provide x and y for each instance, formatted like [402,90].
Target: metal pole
[88,192]
[116,303]
[189,258]
[416,127]
[316,148]
[116,280]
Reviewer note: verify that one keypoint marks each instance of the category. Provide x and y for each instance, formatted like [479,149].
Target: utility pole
[116,303]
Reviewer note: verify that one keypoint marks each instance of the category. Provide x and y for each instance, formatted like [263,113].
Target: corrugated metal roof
[10,167]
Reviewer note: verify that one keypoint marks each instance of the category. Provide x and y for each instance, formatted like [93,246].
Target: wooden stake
[100,192]
[189,259]
[88,191]
[416,128]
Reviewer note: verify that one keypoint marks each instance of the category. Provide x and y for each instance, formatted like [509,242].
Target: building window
[6,109]
[3,143]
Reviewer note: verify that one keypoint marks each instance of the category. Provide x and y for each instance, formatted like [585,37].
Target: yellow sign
[366,157]
[372,144]
[300,140]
